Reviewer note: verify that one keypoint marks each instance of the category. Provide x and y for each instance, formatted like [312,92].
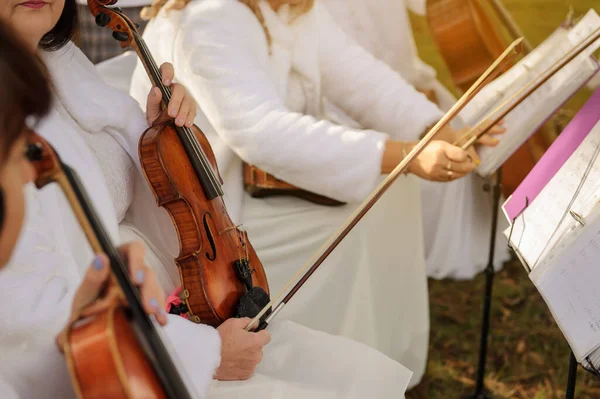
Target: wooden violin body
[212,248]
[107,361]
[260,184]
[469,42]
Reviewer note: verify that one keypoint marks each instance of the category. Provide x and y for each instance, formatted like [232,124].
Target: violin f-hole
[209,236]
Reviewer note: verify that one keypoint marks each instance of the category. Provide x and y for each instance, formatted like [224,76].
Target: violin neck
[151,68]
[198,158]
[95,231]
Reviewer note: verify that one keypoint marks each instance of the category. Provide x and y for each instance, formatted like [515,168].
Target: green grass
[528,356]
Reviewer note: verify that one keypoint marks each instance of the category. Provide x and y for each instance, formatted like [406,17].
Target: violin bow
[481,128]
[316,260]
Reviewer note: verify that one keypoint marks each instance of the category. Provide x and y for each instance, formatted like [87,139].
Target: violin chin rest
[252,302]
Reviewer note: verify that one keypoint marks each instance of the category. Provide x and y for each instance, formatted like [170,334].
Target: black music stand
[572,378]
[487,294]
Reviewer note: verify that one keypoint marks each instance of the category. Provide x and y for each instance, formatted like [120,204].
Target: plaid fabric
[97,43]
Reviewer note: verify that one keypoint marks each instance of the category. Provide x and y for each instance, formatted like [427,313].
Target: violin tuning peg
[120,36]
[102,19]
[137,26]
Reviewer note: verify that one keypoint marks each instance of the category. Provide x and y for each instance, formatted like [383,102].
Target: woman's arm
[36,290]
[367,89]
[222,54]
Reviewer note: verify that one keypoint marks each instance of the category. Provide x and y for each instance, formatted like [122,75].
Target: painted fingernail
[189,123]
[172,113]
[98,263]
[167,82]
[139,276]
[154,303]
[179,121]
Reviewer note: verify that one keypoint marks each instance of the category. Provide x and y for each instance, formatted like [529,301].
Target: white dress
[457,215]
[270,111]
[95,129]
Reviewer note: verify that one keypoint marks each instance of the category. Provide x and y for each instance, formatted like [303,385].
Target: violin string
[190,136]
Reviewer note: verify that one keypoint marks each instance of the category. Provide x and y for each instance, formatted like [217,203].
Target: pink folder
[554,158]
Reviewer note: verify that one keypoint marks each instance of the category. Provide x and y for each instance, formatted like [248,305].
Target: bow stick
[476,132]
[313,264]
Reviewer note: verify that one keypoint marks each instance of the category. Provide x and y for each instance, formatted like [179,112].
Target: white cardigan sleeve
[222,52]
[367,89]
[36,291]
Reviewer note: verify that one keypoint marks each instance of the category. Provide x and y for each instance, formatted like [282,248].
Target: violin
[113,349]
[220,272]
[469,41]
[260,184]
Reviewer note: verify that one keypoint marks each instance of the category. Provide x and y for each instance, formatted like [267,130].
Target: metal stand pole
[487,297]
[572,379]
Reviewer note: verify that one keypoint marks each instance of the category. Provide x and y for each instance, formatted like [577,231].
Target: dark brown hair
[24,88]
[64,30]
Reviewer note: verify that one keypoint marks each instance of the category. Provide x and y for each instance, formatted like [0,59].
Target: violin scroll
[124,29]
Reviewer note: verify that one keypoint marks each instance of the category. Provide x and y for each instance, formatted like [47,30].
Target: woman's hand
[448,134]
[451,135]
[441,161]
[96,277]
[488,140]
[241,351]
[182,107]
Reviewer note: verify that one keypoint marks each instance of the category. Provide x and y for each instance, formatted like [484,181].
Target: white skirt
[457,219]
[372,288]
[300,363]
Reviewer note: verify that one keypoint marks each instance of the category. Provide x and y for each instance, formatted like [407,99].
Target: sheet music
[568,280]
[585,27]
[554,158]
[531,65]
[521,122]
[576,187]
[494,93]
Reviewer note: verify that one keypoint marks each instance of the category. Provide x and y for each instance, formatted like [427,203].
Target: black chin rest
[252,302]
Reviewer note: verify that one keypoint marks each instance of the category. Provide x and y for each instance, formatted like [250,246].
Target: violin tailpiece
[244,273]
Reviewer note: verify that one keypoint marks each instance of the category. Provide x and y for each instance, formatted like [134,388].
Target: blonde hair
[152,11]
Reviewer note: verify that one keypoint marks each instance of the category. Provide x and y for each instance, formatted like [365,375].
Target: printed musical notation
[568,279]
[575,187]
